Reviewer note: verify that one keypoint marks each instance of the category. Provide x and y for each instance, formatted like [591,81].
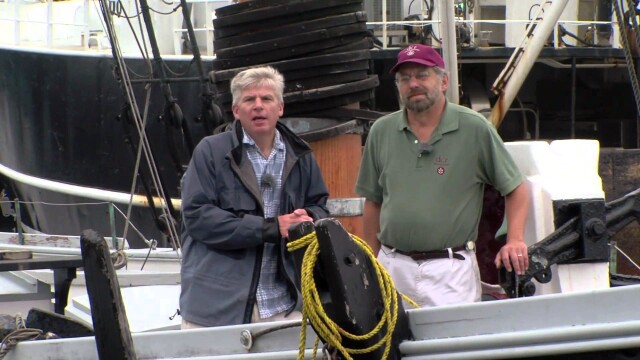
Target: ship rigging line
[633,76]
[140,124]
[211,113]
[150,199]
[173,113]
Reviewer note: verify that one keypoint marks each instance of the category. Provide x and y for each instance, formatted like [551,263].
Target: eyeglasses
[404,79]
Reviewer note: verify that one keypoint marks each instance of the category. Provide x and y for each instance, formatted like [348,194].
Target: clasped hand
[294,218]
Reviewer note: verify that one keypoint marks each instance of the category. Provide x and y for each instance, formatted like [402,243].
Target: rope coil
[22,333]
[119,259]
[326,328]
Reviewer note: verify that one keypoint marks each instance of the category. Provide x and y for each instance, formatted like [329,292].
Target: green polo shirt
[433,200]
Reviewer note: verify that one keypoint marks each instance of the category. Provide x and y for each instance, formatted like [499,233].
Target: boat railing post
[87,31]
[49,23]
[384,24]
[16,22]
[450,48]
[209,38]
[19,222]
[207,29]
[112,224]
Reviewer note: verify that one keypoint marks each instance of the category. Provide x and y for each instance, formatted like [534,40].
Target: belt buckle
[470,246]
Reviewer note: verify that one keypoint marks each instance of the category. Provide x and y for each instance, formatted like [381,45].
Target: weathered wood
[339,160]
[619,170]
[113,338]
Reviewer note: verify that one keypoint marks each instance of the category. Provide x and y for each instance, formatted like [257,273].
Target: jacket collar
[294,143]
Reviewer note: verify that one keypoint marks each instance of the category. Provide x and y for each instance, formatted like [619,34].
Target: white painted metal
[521,12]
[537,326]
[148,308]
[560,170]
[528,58]
[23,290]
[83,191]
[352,206]
[449,48]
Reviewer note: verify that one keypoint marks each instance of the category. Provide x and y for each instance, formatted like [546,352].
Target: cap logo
[411,50]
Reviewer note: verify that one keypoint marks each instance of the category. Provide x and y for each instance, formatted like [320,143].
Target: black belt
[434,254]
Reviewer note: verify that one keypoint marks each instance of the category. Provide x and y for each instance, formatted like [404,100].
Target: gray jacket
[224,229]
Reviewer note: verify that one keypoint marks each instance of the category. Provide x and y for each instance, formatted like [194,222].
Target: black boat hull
[60,120]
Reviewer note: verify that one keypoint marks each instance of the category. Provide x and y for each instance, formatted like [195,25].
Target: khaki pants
[434,282]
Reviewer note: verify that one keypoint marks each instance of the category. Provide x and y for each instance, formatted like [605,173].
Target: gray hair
[439,71]
[259,76]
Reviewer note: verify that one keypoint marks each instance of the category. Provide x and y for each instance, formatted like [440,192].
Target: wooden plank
[113,338]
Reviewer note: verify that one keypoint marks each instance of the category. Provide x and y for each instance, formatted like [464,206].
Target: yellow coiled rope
[326,328]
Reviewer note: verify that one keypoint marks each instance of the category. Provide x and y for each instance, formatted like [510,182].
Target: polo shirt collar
[448,123]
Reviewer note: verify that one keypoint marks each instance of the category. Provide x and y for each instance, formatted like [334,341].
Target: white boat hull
[508,329]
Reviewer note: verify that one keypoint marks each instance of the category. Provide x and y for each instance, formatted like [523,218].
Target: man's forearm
[517,208]
[371,222]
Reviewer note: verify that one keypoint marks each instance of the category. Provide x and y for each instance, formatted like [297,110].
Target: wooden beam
[113,338]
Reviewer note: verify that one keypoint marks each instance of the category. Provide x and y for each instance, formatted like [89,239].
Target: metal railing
[15,14]
[381,28]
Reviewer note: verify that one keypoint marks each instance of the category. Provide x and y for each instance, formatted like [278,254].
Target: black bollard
[349,289]
[113,338]
[296,232]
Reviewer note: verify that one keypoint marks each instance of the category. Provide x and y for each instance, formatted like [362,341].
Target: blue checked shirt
[272,295]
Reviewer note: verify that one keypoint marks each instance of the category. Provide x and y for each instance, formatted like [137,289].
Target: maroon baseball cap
[418,54]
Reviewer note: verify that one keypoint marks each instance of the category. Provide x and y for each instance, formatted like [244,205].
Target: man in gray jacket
[242,191]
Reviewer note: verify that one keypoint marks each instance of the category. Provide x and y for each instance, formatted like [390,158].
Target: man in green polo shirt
[423,174]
